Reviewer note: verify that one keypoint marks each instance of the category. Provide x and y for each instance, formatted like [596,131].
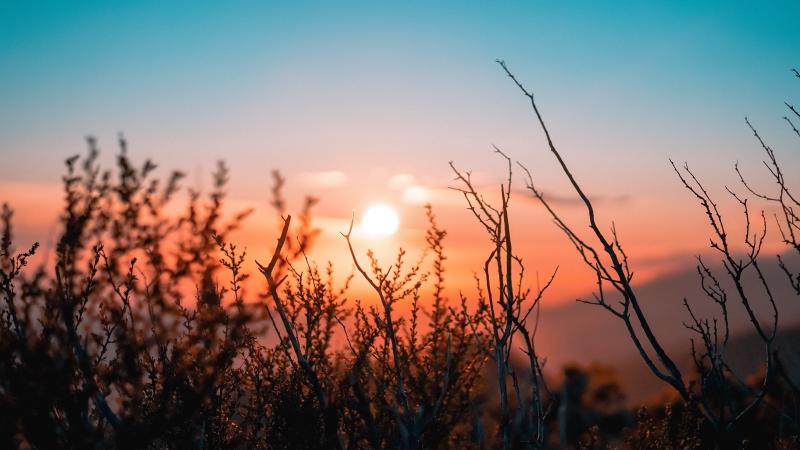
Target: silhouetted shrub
[140,331]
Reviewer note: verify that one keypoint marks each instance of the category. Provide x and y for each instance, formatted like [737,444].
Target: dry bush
[139,332]
[727,408]
[127,338]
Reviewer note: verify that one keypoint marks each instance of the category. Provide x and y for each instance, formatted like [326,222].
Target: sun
[380,220]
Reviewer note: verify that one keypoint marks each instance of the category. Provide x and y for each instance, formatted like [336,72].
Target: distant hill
[745,354]
[576,332]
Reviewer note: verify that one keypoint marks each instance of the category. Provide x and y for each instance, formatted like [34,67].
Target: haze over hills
[595,335]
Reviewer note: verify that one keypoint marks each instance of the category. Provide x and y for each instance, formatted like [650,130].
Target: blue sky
[355,86]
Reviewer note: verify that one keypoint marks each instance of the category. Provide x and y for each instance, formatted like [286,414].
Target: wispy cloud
[400,181]
[418,194]
[574,201]
[325,179]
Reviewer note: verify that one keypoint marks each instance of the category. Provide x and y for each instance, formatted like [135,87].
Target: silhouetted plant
[508,305]
[713,398]
[143,329]
[107,344]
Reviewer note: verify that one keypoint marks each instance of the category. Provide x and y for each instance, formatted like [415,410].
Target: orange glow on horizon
[657,239]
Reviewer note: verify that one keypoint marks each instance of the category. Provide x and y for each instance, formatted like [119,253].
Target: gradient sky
[346,97]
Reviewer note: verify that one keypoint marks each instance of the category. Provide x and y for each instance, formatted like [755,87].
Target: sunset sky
[359,103]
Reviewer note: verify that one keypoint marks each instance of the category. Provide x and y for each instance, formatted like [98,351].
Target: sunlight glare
[380,220]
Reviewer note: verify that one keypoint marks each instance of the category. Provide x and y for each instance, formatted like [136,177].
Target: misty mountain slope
[745,355]
[577,332]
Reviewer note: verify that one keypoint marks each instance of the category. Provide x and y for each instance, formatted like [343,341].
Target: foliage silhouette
[140,332]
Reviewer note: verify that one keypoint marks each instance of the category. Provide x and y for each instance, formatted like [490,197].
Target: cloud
[420,195]
[400,180]
[574,201]
[416,195]
[325,179]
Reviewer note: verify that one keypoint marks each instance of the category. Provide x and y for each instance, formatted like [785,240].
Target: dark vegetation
[138,332]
